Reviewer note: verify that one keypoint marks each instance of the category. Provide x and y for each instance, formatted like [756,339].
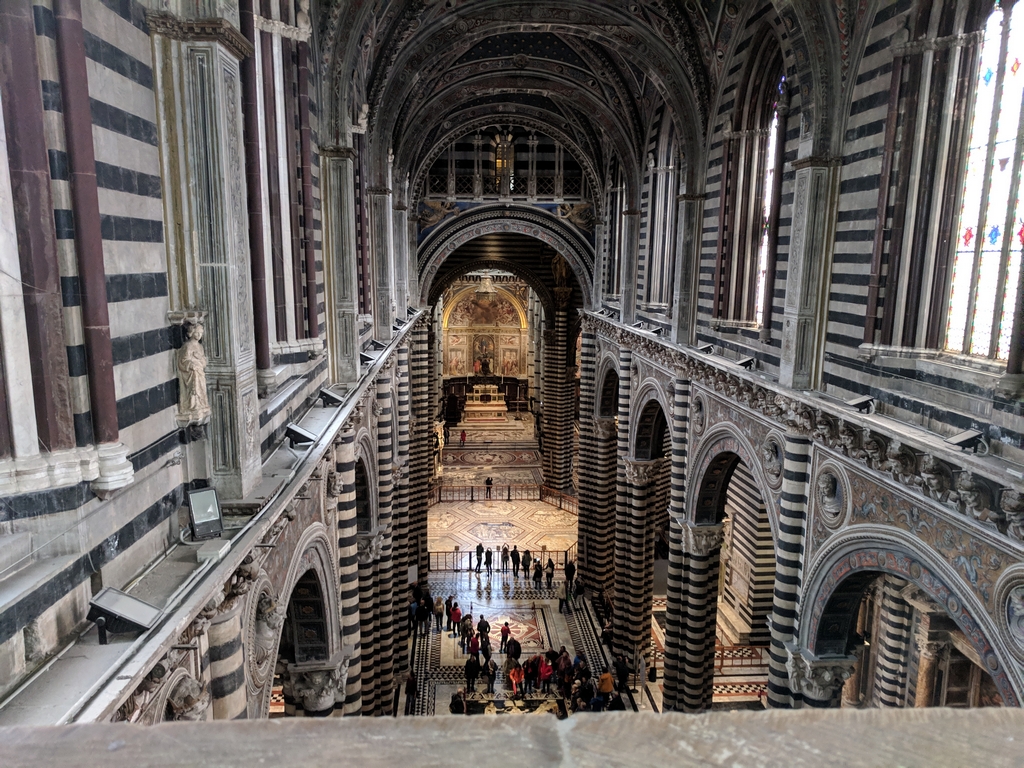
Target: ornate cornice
[273,26]
[340,153]
[217,30]
[966,484]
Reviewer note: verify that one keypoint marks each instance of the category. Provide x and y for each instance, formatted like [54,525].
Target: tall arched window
[990,233]
[749,193]
[769,210]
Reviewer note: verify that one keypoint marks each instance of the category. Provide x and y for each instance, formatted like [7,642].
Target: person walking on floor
[561,597]
[466,631]
[549,571]
[506,631]
[504,559]
[462,439]
[479,555]
[488,483]
[570,574]
[488,561]
[448,612]
[514,555]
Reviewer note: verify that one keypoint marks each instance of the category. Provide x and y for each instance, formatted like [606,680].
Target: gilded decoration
[978,562]
[912,569]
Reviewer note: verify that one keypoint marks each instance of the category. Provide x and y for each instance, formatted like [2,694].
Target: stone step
[15,551]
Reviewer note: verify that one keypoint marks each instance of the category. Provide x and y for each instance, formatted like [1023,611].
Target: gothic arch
[492,219]
[828,607]
[711,466]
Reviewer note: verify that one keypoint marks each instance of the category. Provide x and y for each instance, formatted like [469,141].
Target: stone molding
[216,29]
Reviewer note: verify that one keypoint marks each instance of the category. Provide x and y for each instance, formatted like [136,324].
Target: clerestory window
[990,232]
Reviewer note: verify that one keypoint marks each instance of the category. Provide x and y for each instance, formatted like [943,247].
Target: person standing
[504,559]
[456,620]
[439,609]
[483,626]
[514,555]
[448,612]
[462,439]
[506,632]
[491,674]
[479,555]
[489,483]
[527,560]
[411,692]
[472,673]
[549,571]
[561,597]
[538,573]
[570,574]
[488,561]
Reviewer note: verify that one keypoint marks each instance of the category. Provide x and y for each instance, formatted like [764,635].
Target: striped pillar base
[227,665]
[893,645]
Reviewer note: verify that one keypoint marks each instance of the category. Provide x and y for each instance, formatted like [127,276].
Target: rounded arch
[265,624]
[649,423]
[365,481]
[497,219]
[839,576]
[713,463]
[608,394]
[470,290]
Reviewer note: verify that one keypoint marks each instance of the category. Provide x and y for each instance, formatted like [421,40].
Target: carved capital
[817,678]
[562,297]
[640,473]
[702,540]
[369,547]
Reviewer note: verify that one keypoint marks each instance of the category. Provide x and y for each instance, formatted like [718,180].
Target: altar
[485,404]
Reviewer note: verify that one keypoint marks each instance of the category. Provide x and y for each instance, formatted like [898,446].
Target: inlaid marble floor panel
[494,523]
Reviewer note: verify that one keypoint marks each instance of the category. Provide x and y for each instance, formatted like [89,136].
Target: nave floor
[535,621]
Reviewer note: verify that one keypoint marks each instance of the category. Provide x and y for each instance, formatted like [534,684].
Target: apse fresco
[483,331]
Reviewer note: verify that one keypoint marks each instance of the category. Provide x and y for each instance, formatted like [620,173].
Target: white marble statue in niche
[194,403]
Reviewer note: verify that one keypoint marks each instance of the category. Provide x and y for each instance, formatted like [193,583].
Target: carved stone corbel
[702,540]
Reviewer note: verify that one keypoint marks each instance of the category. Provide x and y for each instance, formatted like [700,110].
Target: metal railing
[740,657]
[455,493]
[458,560]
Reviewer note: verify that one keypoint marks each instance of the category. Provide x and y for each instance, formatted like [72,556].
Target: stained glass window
[990,235]
[766,207]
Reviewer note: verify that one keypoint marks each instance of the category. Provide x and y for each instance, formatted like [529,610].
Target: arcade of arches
[720,302]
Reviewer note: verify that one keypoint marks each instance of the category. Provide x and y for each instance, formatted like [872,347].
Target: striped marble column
[701,548]
[597,478]
[420,445]
[403,553]
[348,566]
[227,665]
[893,644]
[621,545]
[634,545]
[789,548]
[385,522]
[674,613]
[559,389]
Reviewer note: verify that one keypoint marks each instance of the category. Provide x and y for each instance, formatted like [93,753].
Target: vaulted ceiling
[595,72]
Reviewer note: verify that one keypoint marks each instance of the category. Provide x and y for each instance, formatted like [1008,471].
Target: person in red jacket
[545,675]
[456,618]
[506,632]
